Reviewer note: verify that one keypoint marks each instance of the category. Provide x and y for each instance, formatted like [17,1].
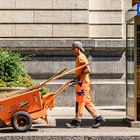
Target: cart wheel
[21,121]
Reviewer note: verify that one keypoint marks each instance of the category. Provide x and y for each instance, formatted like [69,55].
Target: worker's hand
[72,83]
[76,79]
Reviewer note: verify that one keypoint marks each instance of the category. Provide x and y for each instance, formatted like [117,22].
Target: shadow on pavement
[61,123]
[111,109]
[11,130]
[89,122]
[44,126]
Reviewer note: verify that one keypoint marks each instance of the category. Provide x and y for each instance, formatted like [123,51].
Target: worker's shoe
[99,119]
[73,124]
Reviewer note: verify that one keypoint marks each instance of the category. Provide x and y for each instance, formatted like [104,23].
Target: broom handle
[57,74]
[38,86]
[70,71]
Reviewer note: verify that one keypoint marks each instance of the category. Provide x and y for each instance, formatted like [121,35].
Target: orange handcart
[19,110]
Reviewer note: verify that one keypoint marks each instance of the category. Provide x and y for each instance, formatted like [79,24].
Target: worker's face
[75,50]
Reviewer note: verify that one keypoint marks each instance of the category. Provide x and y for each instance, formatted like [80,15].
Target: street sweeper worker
[83,97]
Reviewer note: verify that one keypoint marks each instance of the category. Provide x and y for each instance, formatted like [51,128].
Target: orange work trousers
[83,100]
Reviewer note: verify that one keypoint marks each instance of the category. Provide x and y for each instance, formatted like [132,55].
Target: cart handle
[60,90]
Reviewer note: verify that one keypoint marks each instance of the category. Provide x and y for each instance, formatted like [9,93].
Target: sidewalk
[113,129]
[58,116]
[106,111]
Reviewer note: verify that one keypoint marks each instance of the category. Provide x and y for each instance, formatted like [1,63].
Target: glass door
[131,72]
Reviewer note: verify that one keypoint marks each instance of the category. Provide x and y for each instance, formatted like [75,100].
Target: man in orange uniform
[83,97]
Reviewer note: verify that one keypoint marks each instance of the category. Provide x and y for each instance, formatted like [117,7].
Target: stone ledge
[11,88]
[61,43]
[135,124]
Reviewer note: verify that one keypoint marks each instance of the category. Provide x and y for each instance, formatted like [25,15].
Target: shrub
[44,91]
[11,70]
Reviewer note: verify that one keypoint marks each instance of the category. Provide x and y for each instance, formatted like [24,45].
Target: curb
[70,138]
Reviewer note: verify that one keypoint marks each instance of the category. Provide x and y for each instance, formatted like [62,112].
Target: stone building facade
[47,28]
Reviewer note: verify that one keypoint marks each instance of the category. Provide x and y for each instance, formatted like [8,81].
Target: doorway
[133,69]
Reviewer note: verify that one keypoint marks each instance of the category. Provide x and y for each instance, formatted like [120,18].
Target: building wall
[105,19]
[63,19]
[47,28]
[43,18]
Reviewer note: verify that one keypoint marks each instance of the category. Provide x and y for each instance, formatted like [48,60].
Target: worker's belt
[82,93]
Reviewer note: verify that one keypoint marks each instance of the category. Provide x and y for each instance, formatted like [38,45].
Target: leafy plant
[11,70]
[44,91]
[2,83]
[10,66]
